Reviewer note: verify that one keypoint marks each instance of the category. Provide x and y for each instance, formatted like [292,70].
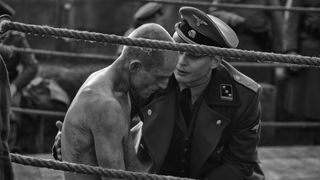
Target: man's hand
[229,18]
[56,149]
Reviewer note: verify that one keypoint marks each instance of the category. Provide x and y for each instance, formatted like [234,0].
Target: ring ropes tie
[235,6]
[264,124]
[244,55]
[37,112]
[4,48]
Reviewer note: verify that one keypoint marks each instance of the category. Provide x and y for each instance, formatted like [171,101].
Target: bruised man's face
[146,82]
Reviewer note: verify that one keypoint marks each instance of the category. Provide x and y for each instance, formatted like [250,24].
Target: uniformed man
[257,30]
[302,36]
[18,80]
[149,13]
[212,130]
[206,124]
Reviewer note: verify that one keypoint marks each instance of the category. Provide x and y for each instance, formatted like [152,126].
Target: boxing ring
[277,162]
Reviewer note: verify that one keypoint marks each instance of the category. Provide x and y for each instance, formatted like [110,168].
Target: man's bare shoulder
[100,108]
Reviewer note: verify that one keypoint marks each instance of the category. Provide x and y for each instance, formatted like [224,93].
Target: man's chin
[145,95]
[181,79]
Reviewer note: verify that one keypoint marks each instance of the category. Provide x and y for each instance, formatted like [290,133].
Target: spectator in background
[257,30]
[148,13]
[22,68]
[302,36]
[5,164]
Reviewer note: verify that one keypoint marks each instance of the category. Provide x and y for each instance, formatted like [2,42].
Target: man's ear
[215,61]
[135,66]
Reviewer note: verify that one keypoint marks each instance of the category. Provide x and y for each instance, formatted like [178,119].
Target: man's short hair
[150,57]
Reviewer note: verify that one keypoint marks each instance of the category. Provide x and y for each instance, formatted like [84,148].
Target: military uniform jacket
[226,130]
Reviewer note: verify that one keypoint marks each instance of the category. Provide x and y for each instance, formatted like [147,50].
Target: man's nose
[183,59]
[163,83]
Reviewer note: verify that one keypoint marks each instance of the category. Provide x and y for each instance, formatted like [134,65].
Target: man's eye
[194,55]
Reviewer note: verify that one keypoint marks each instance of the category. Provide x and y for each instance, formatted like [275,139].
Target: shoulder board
[241,78]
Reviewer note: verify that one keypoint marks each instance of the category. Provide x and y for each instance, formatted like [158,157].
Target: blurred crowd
[290,93]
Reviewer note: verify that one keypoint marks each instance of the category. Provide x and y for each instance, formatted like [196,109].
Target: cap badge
[199,21]
[192,33]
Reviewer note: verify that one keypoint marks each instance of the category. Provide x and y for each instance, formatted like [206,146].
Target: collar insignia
[199,21]
[226,92]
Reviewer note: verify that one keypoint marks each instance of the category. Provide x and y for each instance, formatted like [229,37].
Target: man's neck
[198,88]
[122,78]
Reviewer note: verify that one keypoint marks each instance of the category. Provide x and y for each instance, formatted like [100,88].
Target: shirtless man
[97,124]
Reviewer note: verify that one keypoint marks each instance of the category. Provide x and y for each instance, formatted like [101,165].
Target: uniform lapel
[207,133]
[158,127]
[210,123]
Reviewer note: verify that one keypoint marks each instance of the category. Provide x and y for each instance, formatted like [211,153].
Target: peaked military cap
[198,27]
[6,9]
[148,10]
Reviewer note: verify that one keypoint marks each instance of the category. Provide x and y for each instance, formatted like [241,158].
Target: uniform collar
[222,89]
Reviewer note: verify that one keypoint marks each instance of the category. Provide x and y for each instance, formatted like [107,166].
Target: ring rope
[86,169]
[244,55]
[3,48]
[265,65]
[291,124]
[110,59]
[236,6]
[37,112]
[266,124]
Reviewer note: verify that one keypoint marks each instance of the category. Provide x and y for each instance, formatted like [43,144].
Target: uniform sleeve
[291,27]
[29,66]
[240,153]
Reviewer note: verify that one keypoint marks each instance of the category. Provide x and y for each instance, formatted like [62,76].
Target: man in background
[148,13]
[22,68]
[302,36]
[5,163]
[258,30]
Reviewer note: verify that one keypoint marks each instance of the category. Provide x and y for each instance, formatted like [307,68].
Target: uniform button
[149,112]
[185,149]
[237,77]
[219,122]
[141,146]
[219,151]
[183,160]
